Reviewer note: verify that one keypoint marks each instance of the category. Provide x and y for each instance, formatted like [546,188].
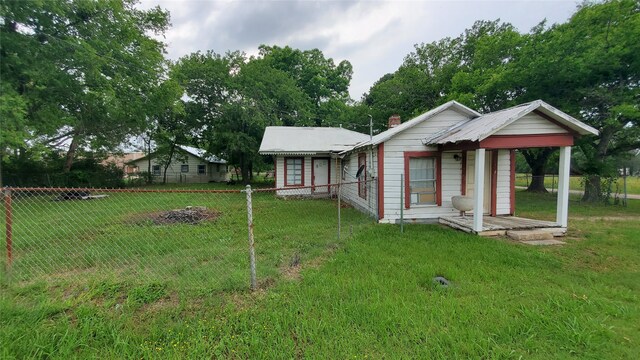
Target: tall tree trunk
[166,166]
[537,179]
[244,170]
[1,157]
[149,174]
[71,153]
[592,189]
[537,160]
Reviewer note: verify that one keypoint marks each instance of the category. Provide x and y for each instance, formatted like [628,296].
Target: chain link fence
[182,239]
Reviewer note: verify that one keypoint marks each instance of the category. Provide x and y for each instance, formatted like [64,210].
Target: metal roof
[308,140]
[481,127]
[202,154]
[386,135]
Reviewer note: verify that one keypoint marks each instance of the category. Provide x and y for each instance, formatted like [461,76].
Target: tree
[168,124]
[232,99]
[324,83]
[78,71]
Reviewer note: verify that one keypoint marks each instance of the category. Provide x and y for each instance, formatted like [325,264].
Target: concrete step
[530,235]
[543,242]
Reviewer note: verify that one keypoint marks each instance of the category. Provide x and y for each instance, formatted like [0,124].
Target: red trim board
[526,141]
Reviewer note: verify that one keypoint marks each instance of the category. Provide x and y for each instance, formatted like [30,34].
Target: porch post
[562,212]
[478,193]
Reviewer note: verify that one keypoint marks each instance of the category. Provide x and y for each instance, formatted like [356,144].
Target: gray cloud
[373,36]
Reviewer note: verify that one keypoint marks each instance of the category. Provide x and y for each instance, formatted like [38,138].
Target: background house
[125,162]
[188,165]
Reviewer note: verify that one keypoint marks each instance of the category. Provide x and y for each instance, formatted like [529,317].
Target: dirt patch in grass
[191,215]
[292,272]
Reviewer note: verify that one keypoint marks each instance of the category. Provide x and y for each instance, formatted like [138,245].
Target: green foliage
[232,97]
[30,170]
[77,70]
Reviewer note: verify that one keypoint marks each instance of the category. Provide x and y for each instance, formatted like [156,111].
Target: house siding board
[503,186]
[411,140]
[174,174]
[531,123]
[349,192]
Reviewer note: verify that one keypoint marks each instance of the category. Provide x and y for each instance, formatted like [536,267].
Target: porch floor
[499,225]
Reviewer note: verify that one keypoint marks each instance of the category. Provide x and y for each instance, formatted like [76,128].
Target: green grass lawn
[577,183]
[368,296]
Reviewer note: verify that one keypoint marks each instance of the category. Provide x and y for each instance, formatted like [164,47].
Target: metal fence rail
[182,239]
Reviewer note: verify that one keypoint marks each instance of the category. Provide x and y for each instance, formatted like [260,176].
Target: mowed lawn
[577,183]
[369,295]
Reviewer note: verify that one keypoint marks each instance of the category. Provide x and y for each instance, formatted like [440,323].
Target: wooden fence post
[252,252]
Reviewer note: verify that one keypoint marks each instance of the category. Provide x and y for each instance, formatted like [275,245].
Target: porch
[500,225]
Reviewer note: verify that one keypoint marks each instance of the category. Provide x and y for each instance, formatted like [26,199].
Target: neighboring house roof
[308,140]
[388,134]
[481,127]
[121,160]
[199,153]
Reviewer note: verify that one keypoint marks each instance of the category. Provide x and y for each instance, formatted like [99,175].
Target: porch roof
[482,127]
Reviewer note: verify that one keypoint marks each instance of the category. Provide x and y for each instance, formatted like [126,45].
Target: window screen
[294,171]
[422,180]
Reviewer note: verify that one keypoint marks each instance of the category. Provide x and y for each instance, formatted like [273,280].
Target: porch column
[478,193]
[562,211]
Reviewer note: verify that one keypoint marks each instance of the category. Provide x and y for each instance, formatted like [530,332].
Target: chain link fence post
[252,252]
[8,208]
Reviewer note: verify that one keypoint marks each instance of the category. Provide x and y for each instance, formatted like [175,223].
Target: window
[155,170]
[362,179]
[422,181]
[184,168]
[294,171]
[202,169]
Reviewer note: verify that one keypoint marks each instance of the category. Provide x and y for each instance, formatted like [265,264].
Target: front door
[320,176]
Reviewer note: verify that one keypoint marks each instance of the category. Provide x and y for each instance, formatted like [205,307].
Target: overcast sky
[374,36]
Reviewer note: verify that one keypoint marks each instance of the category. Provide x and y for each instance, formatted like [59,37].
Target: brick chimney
[394,121]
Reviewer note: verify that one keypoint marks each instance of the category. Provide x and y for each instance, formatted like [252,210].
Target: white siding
[280,175]
[349,191]
[411,140]
[175,175]
[503,189]
[531,123]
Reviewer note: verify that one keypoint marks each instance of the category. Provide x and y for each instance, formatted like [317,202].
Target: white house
[188,165]
[448,151]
